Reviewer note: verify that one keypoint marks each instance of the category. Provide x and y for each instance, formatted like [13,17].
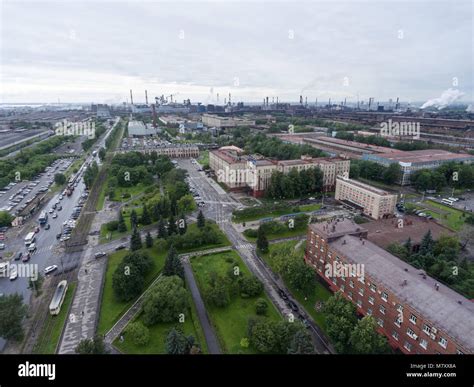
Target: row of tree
[374,171]
[295,183]
[450,174]
[441,259]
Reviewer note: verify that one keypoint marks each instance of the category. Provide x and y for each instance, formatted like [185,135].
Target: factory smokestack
[131,97]
[146,97]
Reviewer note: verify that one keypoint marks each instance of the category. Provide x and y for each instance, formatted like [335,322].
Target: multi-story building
[174,151]
[415,312]
[412,161]
[255,172]
[229,164]
[225,122]
[372,201]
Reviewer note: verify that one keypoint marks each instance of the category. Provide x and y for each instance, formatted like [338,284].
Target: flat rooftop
[424,156]
[367,187]
[383,232]
[445,309]
[337,227]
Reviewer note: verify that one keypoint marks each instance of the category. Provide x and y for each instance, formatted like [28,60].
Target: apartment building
[174,151]
[229,164]
[372,201]
[417,314]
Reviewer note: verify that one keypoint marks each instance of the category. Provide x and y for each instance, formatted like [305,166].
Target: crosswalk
[43,249]
[244,246]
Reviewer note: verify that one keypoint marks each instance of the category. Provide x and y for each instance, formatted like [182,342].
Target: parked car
[120,247]
[26,257]
[100,255]
[13,274]
[50,269]
[18,256]
[47,227]
[55,215]
[2,246]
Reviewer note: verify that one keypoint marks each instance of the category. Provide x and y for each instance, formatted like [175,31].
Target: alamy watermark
[344,270]
[236,176]
[403,128]
[23,270]
[68,128]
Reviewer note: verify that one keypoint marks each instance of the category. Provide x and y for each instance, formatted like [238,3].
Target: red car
[26,257]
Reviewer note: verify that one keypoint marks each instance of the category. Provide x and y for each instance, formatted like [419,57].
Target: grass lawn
[132,191]
[53,326]
[263,212]
[287,234]
[308,302]
[159,332]
[111,309]
[230,322]
[107,236]
[447,216]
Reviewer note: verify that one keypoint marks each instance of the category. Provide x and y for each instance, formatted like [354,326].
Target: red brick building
[417,314]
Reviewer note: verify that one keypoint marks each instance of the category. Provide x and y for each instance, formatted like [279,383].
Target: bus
[30,238]
[447,201]
[58,298]
[43,218]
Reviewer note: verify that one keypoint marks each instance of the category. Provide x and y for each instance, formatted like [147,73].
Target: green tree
[127,281]
[427,244]
[145,219]
[139,333]
[12,312]
[165,302]
[186,204]
[60,179]
[173,265]
[133,219]
[172,229]
[201,221]
[176,342]
[262,242]
[102,153]
[341,320]
[262,336]
[301,344]
[5,219]
[135,240]
[366,340]
[250,286]
[218,294]
[95,346]
[121,227]
[162,233]
[261,307]
[148,240]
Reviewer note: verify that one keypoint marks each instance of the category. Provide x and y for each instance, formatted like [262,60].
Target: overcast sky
[96,50]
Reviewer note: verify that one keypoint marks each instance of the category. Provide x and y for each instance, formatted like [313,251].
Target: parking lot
[16,196]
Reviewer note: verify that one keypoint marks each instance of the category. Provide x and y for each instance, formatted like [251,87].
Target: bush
[112,226]
[139,333]
[261,307]
[250,286]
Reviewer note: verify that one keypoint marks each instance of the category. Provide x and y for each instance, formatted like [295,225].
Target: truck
[43,218]
[30,238]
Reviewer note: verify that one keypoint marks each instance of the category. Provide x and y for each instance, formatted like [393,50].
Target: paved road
[49,249]
[207,328]
[219,207]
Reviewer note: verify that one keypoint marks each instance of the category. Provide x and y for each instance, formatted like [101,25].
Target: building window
[373,288]
[407,346]
[398,321]
[411,333]
[371,300]
[380,322]
[382,309]
[399,308]
[384,296]
[395,335]
[359,303]
[369,312]
[351,284]
[413,319]
[361,291]
[443,342]
[342,288]
[349,295]
[426,329]
[423,344]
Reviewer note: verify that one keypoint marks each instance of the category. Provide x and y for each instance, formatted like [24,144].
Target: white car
[61,197]
[50,269]
[13,275]
[51,210]
[55,215]
[2,246]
